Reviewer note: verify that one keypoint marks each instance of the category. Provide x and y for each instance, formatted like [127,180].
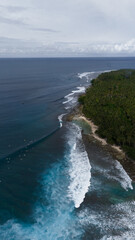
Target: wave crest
[79,169]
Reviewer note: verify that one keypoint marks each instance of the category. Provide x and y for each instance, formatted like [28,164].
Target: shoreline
[77,114]
[94,128]
[115,151]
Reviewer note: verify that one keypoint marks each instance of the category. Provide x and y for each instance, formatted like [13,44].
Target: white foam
[85,74]
[116,222]
[80,90]
[67,108]
[60,119]
[70,97]
[126,181]
[114,171]
[53,218]
[91,75]
[79,167]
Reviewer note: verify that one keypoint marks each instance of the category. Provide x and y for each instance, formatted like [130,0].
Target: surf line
[79,166]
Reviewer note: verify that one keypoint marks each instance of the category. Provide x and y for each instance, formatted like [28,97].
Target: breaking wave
[60,117]
[72,98]
[79,167]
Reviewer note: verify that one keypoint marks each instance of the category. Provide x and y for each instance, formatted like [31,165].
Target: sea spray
[53,215]
[90,75]
[79,166]
[60,117]
[72,97]
[116,222]
[87,75]
[125,180]
[112,170]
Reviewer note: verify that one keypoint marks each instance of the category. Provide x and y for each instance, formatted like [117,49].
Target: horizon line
[66,57]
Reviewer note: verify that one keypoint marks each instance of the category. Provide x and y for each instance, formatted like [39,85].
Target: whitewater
[62,187]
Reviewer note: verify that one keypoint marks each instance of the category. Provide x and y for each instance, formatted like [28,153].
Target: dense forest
[110,103]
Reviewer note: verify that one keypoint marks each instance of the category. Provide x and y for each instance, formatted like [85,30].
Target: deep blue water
[48,187]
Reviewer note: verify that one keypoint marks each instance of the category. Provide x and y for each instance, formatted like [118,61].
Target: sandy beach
[115,151]
[94,128]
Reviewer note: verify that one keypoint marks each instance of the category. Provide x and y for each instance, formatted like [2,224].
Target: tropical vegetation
[110,103]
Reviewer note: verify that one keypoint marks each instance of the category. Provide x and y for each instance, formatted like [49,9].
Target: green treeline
[110,103]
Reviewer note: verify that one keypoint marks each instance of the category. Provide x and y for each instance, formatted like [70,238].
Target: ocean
[51,186]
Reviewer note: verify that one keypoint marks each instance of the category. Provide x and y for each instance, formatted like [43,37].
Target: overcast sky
[54,28]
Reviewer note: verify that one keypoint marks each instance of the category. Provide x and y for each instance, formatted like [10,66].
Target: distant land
[110,103]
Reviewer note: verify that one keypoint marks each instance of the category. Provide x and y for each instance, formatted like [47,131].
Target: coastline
[94,128]
[115,151]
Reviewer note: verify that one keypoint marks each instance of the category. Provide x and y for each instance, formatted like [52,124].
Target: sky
[67,28]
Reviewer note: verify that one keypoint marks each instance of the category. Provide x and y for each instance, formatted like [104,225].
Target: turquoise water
[51,188]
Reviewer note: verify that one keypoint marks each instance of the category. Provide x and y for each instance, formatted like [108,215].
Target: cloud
[68,28]
[21,22]
[44,30]
[12,21]
[12,9]
[20,48]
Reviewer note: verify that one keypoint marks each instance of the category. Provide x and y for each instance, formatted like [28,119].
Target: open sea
[50,187]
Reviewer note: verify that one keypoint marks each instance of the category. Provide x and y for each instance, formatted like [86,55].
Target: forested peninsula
[110,103]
